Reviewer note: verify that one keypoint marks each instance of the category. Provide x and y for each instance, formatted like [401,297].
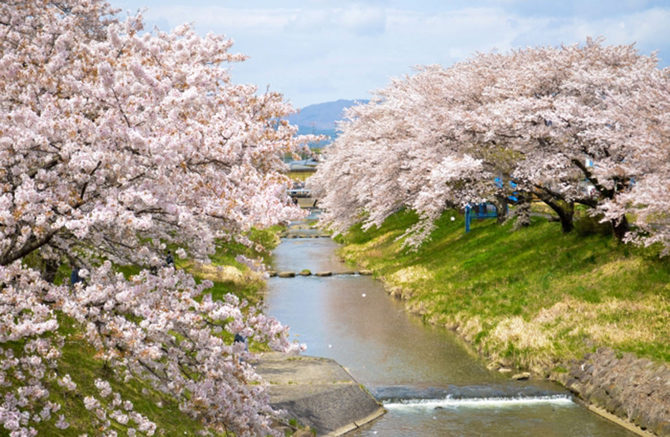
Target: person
[74,276]
[240,339]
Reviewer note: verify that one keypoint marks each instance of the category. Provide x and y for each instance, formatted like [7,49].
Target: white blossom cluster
[116,143]
[115,408]
[574,125]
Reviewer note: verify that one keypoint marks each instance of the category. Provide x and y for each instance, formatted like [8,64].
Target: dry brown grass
[614,321]
[219,273]
[410,275]
[524,335]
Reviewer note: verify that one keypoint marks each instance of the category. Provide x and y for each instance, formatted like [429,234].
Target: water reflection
[315,254]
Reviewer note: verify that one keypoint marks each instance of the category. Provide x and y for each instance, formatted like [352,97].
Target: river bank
[575,309]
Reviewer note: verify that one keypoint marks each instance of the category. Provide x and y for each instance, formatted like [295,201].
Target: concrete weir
[318,392]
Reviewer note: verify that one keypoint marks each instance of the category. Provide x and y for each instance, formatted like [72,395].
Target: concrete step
[318,392]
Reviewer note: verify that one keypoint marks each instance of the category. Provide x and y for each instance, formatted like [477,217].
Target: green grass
[530,298]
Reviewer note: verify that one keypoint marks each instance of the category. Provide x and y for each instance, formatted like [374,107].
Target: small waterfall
[432,404]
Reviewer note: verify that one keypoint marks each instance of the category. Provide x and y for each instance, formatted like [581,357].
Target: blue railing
[479,211]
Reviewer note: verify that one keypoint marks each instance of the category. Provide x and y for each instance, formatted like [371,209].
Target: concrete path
[318,392]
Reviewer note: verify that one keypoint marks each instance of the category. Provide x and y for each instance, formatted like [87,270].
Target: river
[429,382]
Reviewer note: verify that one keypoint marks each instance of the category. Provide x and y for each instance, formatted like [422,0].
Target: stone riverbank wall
[628,387]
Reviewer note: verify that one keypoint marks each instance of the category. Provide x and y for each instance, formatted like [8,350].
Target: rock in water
[521,376]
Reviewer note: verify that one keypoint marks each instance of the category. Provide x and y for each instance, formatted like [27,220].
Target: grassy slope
[80,362]
[532,298]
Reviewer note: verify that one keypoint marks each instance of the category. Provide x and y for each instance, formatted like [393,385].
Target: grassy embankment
[81,360]
[301,176]
[533,298]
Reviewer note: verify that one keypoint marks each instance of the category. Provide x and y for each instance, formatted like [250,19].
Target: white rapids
[448,402]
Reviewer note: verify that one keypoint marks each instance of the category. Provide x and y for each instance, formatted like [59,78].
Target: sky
[315,51]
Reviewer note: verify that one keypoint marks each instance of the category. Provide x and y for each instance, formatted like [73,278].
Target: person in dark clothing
[241,339]
[74,276]
[169,260]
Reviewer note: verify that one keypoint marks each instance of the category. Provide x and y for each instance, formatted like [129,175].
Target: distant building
[303,165]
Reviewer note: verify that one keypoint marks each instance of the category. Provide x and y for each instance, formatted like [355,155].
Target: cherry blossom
[584,124]
[116,144]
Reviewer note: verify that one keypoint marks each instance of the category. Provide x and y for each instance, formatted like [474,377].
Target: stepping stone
[286,274]
[521,376]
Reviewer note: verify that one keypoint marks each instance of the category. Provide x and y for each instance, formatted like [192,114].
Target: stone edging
[636,390]
[358,423]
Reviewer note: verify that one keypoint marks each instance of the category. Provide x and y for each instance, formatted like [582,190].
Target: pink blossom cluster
[110,405]
[116,143]
[573,125]
[177,338]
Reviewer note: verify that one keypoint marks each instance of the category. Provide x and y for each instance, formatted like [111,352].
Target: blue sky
[321,50]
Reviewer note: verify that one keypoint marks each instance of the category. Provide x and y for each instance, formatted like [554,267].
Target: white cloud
[220,18]
[362,20]
[648,29]
[319,50]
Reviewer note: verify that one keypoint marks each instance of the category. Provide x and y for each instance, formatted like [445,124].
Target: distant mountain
[320,118]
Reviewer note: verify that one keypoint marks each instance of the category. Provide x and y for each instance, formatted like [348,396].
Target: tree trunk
[564,209]
[522,212]
[501,209]
[620,228]
[50,269]
[566,215]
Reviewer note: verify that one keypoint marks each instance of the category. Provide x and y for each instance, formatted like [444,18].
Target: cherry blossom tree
[644,124]
[386,153]
[558,108]
[411,150]
[568,125]
[116,143]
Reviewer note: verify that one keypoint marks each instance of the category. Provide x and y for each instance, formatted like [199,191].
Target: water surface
[427,379]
